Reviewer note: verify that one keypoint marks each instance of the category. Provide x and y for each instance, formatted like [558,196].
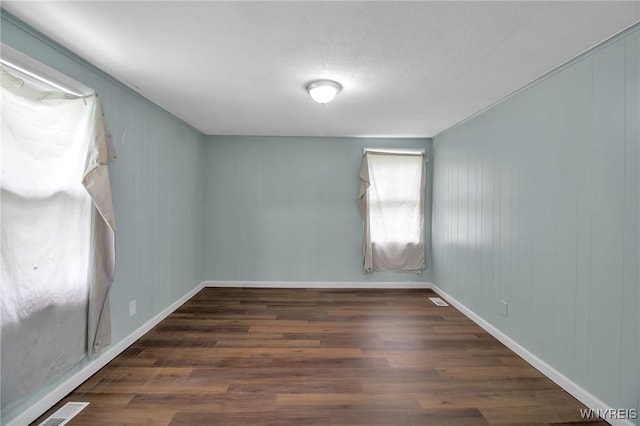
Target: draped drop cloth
[391,201]
[57,233]
[103,263]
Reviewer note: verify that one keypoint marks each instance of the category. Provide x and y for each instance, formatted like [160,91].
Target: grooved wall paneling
[285,209]
[536,202]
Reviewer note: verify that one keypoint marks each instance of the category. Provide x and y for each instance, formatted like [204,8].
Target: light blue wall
[157,191]
[285,209]
[536,202]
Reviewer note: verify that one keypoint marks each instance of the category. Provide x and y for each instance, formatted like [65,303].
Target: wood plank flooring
[310,356]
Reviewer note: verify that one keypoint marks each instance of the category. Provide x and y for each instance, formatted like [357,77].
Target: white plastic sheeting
[391,200]
[57,235]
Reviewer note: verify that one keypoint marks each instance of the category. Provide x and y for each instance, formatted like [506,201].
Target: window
[392,207]
[57,228]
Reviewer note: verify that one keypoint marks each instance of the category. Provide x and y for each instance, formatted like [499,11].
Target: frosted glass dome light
[323,91]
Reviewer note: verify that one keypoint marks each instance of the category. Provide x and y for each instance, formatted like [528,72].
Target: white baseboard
[318,284]
[560,379]
[50,399]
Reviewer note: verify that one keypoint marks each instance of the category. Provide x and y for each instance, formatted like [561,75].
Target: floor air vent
[438,302]
[64,414]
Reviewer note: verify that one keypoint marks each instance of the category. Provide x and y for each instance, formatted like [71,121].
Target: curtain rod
[41,79]
[408,151]
[418,151]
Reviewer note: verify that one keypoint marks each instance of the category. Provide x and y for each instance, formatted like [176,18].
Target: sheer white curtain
[56,233]
[391,200]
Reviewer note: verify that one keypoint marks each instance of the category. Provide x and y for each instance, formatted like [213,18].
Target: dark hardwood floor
[307,357]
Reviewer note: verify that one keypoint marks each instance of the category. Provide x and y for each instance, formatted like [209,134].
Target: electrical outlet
[132,308]
[505,308]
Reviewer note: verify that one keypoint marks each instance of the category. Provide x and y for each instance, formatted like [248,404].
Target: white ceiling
[409,69]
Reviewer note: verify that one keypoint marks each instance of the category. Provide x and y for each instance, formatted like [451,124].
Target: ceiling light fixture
[323,91]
